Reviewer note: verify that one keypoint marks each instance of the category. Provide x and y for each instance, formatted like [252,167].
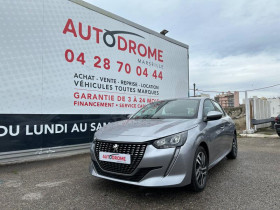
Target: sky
[233,44]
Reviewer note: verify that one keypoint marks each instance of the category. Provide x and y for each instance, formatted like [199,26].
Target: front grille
[134,178]
[135,150]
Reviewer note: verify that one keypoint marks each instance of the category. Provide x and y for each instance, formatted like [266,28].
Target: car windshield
[169,109]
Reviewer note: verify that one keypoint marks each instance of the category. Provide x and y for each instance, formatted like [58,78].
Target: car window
[207,107]
[218,107]
[176,109]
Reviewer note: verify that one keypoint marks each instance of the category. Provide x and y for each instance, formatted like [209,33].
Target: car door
[214,132]
[226,142]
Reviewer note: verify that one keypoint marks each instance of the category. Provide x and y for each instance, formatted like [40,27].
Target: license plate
[114,157]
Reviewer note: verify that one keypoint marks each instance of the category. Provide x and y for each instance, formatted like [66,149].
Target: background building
[228,99]
[274,106]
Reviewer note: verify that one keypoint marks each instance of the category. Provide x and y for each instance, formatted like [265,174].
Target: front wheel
[234,149]
[200,170]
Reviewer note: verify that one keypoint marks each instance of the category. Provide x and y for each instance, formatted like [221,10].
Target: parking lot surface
[252,181]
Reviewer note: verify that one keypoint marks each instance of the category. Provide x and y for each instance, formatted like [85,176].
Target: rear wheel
[200,170]
[234,149]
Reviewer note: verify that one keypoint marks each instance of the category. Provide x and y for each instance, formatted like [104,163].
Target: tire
[200,170]
[278,134]
[234,149]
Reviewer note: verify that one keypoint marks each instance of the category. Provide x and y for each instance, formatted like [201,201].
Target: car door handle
[222,127]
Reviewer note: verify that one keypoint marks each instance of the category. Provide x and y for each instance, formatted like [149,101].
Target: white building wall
[274,106]
[261,110]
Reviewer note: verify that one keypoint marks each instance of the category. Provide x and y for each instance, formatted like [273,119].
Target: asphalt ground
[252,181]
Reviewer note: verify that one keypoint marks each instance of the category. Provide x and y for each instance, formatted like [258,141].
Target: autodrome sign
[70,69]
[122,43]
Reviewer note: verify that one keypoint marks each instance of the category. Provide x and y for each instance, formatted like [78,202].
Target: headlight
[94,138]
[175,140]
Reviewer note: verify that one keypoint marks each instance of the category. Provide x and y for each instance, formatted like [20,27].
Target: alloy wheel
[234,146]
[201,169]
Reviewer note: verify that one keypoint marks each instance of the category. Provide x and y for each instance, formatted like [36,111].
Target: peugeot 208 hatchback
[167,143]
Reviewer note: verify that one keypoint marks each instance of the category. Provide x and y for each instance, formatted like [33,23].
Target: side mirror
[213,115]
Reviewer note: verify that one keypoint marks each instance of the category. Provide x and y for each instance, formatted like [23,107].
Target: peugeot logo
[115,147]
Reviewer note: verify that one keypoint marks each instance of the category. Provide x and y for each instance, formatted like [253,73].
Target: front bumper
[158,168]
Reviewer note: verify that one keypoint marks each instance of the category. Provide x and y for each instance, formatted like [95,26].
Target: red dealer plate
[114,157]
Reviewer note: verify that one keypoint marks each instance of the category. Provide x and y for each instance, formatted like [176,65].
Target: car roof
[192,98]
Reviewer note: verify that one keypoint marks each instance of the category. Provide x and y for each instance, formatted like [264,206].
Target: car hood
[139,130]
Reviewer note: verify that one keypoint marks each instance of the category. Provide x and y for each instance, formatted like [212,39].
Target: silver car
[167,143]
